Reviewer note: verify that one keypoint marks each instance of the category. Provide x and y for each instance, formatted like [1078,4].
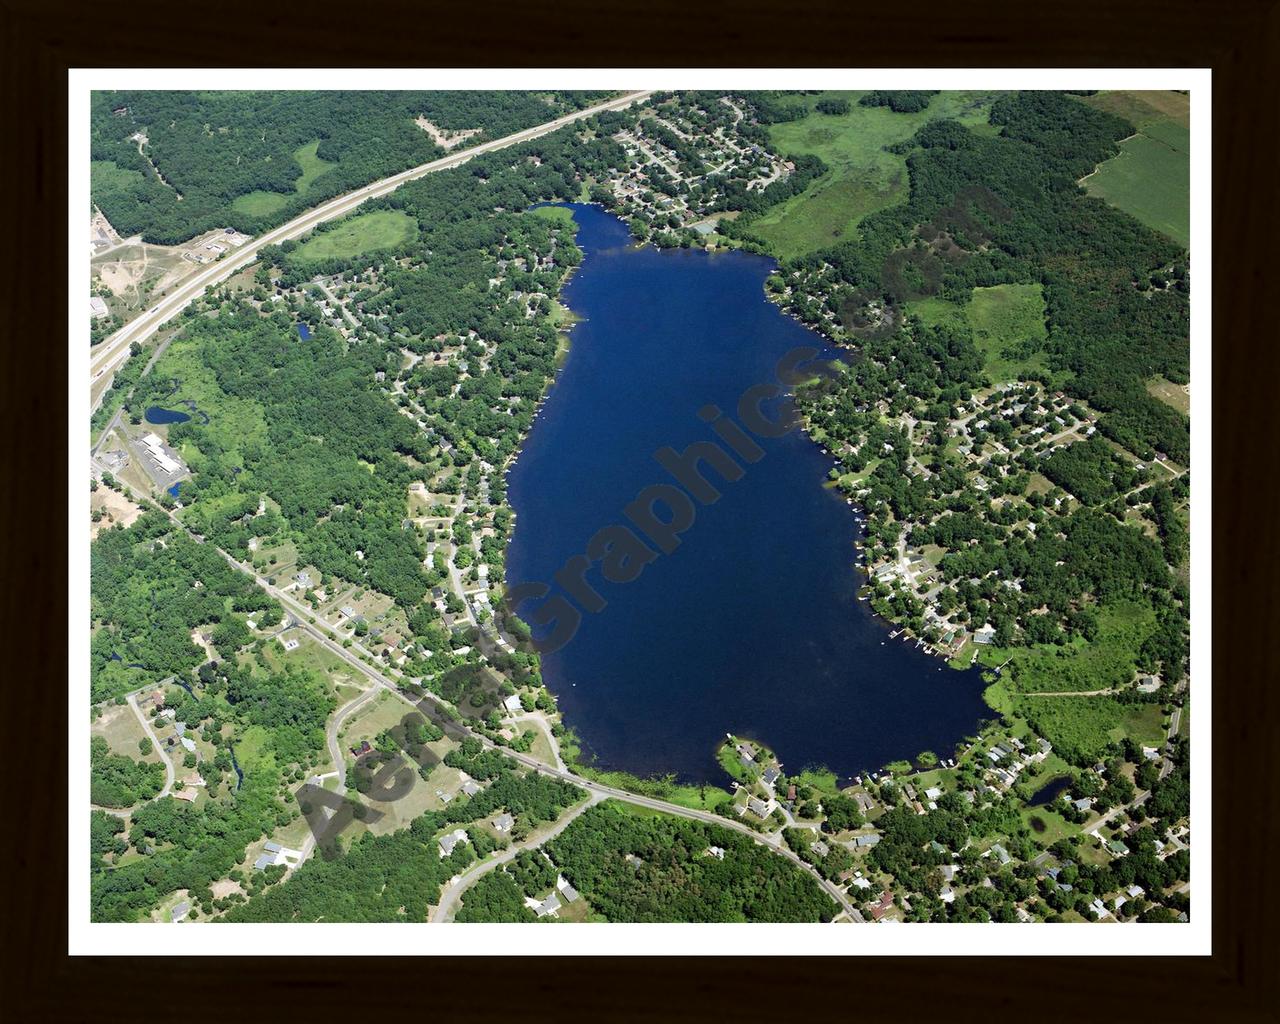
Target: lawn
[560,214]
[369,232]
[1150,178]
[262,204]
[1046,826]
[863,177]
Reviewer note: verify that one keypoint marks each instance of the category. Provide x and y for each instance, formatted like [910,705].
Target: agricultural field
[382,229]
[863,177]
[263,204]
[1150,178]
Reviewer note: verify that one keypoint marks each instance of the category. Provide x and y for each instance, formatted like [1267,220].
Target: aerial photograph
[619,506]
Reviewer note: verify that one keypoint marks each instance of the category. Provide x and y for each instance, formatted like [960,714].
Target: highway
[107,357]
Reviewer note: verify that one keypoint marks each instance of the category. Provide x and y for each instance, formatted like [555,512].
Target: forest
[118,781]
[205,150]
[150,586]
[675,878]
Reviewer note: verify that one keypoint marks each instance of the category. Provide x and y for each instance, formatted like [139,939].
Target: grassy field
[1142,107]
[1170,393]
[262,204]
[382,229]
[1105,662]
[1081,728]
[1150,178]
[107,175]
[863,177]
[1002,318]
[555,213]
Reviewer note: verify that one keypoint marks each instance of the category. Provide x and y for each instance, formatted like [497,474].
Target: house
[186,794]
[1000,853]
[885,904]
[746,753]
[932,793]
[548,906]
[194,779]
[303,579]
[566,890]
[985,635]
[447,843]
[868,840]
[1116,847]
[365,748]
[715,851]
[513,705]
[1083,804]
[860,883]
[791,792]
[471,787]
[1151,753]
[820,848]
[1135,891]
[503,822]
[1099,908]
[759,807]
[770,776]
[179,911]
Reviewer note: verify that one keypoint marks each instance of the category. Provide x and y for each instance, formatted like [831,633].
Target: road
[323,633]
[115,350]
[170,773]
[444,909]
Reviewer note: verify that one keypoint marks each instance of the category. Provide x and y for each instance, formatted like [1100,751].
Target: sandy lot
[116,507]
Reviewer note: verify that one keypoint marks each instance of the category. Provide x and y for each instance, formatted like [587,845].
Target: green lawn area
[1150,178]
[382,229]
[863,178]
[556,213]
[1050,828]
[262,204]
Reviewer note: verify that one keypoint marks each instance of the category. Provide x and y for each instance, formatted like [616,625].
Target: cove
[752,625]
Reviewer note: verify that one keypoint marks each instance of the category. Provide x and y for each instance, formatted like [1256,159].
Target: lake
[155,414]
[752,624]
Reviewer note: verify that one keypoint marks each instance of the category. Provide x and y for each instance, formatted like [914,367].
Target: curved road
[464,881]
[115,350]
[323,633]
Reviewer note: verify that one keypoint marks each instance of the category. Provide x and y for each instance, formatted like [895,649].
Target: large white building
[155,448]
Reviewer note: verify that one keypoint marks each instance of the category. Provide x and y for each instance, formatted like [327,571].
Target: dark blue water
[1049,792]
[304,332]
[157,415]
[752,625]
